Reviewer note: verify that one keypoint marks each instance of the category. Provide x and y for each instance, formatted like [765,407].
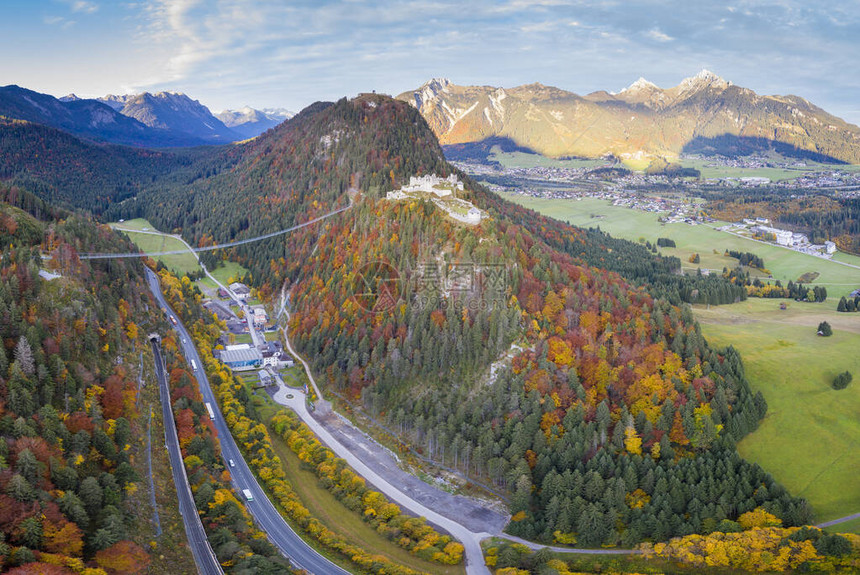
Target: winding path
[838,521]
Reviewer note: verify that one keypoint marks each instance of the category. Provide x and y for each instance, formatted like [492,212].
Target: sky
[290,53]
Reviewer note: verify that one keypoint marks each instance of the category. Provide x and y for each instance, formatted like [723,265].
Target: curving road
[267,517]
[204,557]
[838,521]
[363,465]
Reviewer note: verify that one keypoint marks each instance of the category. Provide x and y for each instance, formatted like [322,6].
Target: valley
[467,330]
[784,357]
[704,239]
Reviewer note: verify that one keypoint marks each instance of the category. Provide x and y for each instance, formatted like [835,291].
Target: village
[251,344]
[761,230]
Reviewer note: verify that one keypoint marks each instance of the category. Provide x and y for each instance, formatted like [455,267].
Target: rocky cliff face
[702,113]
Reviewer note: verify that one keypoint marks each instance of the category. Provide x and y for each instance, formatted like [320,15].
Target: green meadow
[228,272]
[150,240]
[784,264]
[526,160]
[809,438]
[708,170]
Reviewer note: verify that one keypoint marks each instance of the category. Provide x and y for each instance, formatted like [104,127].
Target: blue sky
[289,53]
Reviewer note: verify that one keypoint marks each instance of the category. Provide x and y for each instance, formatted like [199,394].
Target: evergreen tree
[842,380]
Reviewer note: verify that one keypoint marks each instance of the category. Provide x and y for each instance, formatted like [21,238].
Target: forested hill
[68,411]
[73,470]
[292,173]
[610,420]
[67,171]
[607,417]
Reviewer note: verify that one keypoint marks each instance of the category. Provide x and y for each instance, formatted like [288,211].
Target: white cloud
[58,21]
[537,27]
[656,34]
[84,6]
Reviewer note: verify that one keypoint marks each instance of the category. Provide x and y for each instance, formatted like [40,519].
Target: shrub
[842,380]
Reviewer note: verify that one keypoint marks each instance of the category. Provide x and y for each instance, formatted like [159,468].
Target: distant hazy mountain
[175,112]
[704,113]
[249,122]
[90,119]
[116,102]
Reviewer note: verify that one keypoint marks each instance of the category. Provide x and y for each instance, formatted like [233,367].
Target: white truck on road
[248,495]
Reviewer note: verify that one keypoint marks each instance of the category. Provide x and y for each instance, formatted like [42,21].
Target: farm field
[808,439]
[526,160]
[774,174]
[150,240]
[784,264]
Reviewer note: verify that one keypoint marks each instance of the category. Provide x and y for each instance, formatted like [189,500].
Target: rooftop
[239,355]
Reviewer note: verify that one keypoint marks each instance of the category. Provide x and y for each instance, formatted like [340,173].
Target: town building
[830,247]
[271,353]
[243,358]
[265,377]
[260,317]
[240,290]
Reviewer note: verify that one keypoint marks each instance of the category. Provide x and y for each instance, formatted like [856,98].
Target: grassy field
[847,527]
[294,376]
[808,440]
[526,160]
[228,270]
[150,240]
[775,174]
[242,338]
[139,224]
[633,225]
[332,513]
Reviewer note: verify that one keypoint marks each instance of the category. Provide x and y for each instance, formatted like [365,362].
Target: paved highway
[207,563]
[264,512]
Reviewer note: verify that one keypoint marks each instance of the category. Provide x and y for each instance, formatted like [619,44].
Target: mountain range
[89,119]
[249,122]
[163,119]
[704,113]
[175,112]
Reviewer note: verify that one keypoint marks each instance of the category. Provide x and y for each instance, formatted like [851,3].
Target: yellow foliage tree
[632,441]
[758,517]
